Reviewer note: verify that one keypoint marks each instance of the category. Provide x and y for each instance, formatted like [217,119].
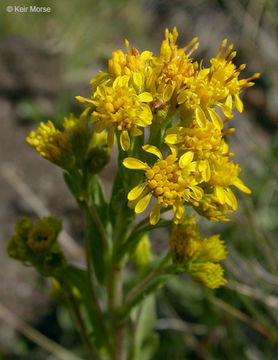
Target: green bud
[22,228]
[53,262]
[78,132]
[16,250]
[142,254]
[98,157]
[42,236]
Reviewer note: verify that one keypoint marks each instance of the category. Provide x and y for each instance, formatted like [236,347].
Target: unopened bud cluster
[37,245]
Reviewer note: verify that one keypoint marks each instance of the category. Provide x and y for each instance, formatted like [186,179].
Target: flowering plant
[166,114]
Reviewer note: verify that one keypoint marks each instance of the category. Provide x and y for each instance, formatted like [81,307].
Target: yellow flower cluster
[175,109]
[198,171]
[49,142]
[200,256]
[120,107]
[137,86]
[171,181]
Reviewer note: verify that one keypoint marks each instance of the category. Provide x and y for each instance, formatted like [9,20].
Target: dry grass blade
[35,336]
[245,318]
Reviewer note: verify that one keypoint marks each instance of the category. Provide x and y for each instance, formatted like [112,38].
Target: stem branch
[140,288]
[92,351]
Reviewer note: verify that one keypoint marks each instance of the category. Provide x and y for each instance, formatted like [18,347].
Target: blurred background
[48,58]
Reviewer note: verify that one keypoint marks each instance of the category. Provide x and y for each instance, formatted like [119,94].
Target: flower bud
[207,274]
[97,158]
[43,234]
[142,254]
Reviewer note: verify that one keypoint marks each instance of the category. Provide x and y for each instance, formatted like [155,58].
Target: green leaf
[97,250]
[149,347]
[96,192]
[76,283]
[144,317]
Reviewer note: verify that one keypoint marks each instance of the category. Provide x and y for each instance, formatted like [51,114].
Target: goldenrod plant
[168,116]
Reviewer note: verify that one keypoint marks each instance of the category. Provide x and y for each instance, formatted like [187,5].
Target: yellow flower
[212,250]
[202,141]
[187,246]
[125,64]
[133,64]
[224,71]
[198,255]
[210,207]
[120,108]
[206,143]
[185,241]
[217,85]
[168,71]
[200,96]
[172,181]
[49,142]
[224,173]
[207,274]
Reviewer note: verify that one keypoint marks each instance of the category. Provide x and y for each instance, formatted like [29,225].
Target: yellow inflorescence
[172,181]
[173,82]
[125,64]
[208,274]
[211,208]
[200,256]
[172,105]
[120,108]
[203,141]
[51,143]
[185,241]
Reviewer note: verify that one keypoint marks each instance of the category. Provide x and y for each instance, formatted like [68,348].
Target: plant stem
[94,299]
[140,288]
[115,291]
[95,216]
[92,351]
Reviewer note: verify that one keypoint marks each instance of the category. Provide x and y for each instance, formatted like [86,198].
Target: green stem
[147,219]
[92,351]
[115,293]
[94,299]
[98,223]
[142,287]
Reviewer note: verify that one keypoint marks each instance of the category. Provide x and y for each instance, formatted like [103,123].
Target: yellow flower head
[172,181]
[207,274]
[210,207]
[120,108]
[212,250]
[199,97]
[125,64]
[217,85]
[170,69]
[49,142]
[185,241]
[202,141]
[226,73]
[224,173]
